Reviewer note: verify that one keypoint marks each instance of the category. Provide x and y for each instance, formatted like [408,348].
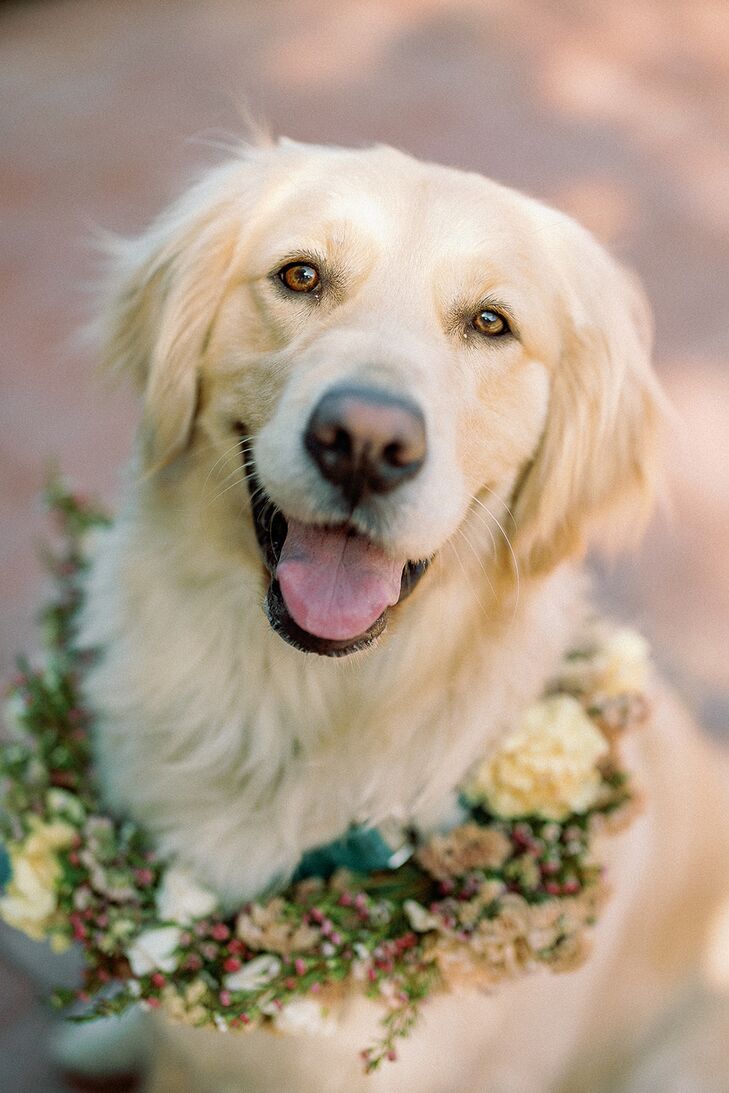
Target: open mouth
[331,587]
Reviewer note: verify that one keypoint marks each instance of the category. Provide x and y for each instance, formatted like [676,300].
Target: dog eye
[299,277]
[490,323]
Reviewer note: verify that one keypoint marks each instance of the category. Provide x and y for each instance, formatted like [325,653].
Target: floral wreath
[512,888]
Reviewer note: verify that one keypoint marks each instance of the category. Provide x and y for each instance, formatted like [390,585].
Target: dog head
[369,351]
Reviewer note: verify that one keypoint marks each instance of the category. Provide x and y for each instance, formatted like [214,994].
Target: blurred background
[615,111]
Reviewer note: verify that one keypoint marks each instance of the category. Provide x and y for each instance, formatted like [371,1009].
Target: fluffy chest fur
[239,753]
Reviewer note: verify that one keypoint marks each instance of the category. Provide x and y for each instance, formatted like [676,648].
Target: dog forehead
[336,205]
[388,201]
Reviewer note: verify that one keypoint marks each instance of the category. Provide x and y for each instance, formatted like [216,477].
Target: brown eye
[490,323]
[299,277]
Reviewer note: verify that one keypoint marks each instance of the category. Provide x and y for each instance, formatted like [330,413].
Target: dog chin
[330,589]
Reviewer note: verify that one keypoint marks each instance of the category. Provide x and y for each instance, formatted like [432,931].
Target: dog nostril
[331,448]
[341,442]
[396,454]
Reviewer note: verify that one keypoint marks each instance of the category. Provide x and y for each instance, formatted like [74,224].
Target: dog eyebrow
[497,304]
[306,256]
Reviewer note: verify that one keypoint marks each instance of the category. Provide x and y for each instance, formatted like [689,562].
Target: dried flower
[263,926]
[468,847]
[186,1005]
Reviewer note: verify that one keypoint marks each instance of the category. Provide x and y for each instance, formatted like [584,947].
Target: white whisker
[239,482]
[227,454]
[484,522]
[517,575]
[465,572]
[239,468]
[480,562]
[500,500]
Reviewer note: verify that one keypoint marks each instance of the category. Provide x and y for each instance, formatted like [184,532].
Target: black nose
[365,440]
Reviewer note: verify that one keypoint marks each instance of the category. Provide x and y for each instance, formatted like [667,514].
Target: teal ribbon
[361,850]
[5,870]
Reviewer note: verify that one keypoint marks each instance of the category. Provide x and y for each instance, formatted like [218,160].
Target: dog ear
[594,468]
[167,287]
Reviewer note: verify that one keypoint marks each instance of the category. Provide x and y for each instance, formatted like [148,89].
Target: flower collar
[512,888]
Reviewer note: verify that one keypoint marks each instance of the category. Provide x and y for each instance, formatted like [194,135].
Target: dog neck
[212,731]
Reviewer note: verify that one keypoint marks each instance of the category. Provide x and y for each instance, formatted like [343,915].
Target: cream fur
[235,750]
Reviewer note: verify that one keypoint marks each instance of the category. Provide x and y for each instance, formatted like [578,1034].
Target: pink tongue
[335,584]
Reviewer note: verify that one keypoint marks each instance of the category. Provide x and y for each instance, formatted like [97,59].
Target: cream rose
[30,901]
[547,766]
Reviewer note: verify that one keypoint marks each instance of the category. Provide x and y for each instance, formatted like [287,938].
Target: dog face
[382,346]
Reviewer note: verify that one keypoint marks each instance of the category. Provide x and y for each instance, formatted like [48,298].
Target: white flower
[66,804]
[380,913]
[360,970]
[304,1015]
[181,898]
[623,662]
[268,1007]
[363,963]
[389,991]
[419,918]
[255,974]
[154,950]
[547,766]
[14,714]
[30,901]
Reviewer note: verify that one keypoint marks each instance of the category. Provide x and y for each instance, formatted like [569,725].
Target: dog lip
[271,528]
[269,522]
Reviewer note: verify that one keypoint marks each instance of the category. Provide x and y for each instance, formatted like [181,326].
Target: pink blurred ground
[616,112]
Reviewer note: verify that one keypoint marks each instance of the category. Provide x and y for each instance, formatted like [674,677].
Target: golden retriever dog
[386,405]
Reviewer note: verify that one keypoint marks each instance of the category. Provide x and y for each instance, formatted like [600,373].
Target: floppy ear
[594,468]
[166,289]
